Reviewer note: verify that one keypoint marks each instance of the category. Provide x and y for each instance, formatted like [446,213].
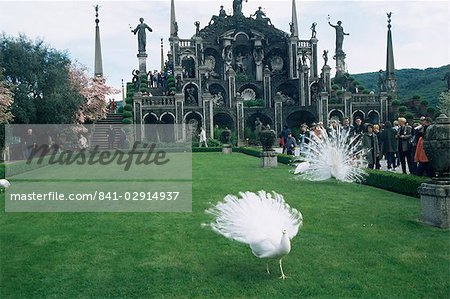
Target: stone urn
[268,155]
[435,194]
[437,147]
[267,138]
[225,138]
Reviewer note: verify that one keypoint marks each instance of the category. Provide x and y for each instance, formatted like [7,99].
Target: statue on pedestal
[325,57]
[339,36]
[237,7]
[142,36]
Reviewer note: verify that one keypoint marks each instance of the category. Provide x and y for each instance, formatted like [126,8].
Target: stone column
[341,68]
[323,107]
[293,58]
[267,87]
[278,113]
[314,69]
[179,115]
[304,86]
[326,71]
[240,122]
[347,102]
[137,104]
[231,76]
[208,114]
[384,107]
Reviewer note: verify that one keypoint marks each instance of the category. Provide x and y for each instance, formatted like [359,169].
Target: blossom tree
[94,90]
[6,100]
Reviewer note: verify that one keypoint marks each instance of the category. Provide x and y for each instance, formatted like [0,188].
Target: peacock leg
[267,268]
[281,268]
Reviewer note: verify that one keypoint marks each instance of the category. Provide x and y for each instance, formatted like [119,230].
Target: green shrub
[431,110]
[127,121]
[416,97]
[395,182]
[409,116]
[424,103]
[206,149]
[366,91]
[128,107]
[129,100]
[120,110]
[127,114]
[402,109]
[396,103]
[254,103]
[2,171]
[335,87]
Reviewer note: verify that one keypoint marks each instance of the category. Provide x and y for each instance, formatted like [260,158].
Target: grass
[357,241]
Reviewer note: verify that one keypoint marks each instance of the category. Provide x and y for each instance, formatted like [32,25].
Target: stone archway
[250,122]
[289,92]
[167,128]
[373,117]
[195,120]
[151,134]
[295,119]
[224,120]
[188,65]
[360,114]
[336,114]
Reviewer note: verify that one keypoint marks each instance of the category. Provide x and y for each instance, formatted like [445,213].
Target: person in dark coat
[369,143]
[404,145]
[290,144]
[389,144]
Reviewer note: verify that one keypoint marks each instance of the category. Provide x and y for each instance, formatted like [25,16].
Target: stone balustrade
[163,101]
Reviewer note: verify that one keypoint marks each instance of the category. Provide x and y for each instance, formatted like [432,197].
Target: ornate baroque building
[237,69]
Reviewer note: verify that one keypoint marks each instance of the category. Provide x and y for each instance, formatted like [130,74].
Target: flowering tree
[6,100]
[94,91]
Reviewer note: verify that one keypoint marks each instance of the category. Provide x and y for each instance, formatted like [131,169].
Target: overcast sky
[420,29]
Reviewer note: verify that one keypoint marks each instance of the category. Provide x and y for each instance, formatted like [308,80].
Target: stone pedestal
[227,149]
[435,203]
[142,57]
[268,159]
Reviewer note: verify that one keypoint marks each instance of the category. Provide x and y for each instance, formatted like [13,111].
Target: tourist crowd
[399,143]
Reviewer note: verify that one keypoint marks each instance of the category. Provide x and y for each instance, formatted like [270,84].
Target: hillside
[427,83]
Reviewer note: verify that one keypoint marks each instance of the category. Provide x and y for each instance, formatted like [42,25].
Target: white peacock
[264,221]
[335,155]
[4,184]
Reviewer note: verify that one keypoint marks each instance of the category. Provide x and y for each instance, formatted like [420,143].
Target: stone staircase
[99,137]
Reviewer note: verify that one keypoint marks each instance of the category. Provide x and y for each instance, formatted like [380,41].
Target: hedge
[395,182]
[282,158]
[128,107]
[127,114]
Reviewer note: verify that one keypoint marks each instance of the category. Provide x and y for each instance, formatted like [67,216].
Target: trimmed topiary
[127,114]
[128,107]
[127,121]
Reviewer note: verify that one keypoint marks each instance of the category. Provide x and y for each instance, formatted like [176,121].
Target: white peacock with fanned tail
[262,220]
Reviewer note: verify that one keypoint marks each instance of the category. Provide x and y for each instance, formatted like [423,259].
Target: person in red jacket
[420,157]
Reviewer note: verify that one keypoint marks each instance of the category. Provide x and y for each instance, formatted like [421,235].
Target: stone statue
[261,16]
[240,68]
[197,28]
[339,36]
[142,36]
[258,126]
[175,27]
[292,28]
[325,57]
[237,7]
[258,55]
[313,30]
[381,81]
[136,80]
[222,15]
[304,58]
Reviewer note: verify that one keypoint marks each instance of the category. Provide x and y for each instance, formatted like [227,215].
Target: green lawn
[357,241]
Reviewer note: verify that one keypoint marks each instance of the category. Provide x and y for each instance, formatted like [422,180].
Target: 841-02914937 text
[134,196]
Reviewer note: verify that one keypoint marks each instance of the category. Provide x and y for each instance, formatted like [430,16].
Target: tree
[94,91]
[39,75]
[444,103]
